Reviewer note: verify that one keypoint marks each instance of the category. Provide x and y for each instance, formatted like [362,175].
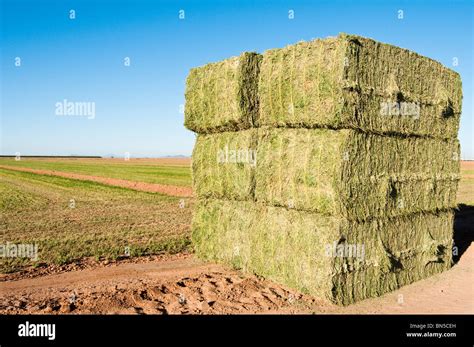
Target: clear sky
[137,107]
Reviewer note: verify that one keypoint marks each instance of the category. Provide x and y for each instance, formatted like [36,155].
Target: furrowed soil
[181,284]
[116,182]
[164,171]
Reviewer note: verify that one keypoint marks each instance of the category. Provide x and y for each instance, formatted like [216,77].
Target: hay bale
[353,174]
[354,82]
[336,174]
[224,164]
[311,252]
[223,96]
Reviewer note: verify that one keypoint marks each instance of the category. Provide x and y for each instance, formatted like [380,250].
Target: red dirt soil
[141,186]
[181,284]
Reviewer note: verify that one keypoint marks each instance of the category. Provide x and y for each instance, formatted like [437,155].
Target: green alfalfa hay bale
[393,71]
[223,165]
[247,236]
[223,96]
[353,174]
[296,248]
[432,257]
[350,287]
[347,82]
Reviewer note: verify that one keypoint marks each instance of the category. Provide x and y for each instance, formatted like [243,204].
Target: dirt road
[182,284]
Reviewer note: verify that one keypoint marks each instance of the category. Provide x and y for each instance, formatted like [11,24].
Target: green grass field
[149,172]
[104,220]
[70,219]
[466,186]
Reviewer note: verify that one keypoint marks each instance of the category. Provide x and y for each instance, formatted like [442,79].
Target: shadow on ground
[463,229]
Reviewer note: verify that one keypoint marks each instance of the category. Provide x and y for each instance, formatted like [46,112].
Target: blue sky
[138,106]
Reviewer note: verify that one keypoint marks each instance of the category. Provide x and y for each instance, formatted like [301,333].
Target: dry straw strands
[223,96]
[301,249]
[330,166]
[352,82]
[357,175]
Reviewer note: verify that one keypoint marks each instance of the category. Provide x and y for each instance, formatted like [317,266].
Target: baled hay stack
[355,175]
[342,83]
[342,172]
[326,256]
[356,152]
[224,165]
[223,96]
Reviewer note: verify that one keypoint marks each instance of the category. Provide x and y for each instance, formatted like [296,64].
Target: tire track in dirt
[182,284]
[178,284]
[178,191]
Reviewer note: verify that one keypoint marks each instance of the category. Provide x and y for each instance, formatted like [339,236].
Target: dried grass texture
[356,175]
[342,82]
[291,247]
[335,165]
[224,165]
[223,96]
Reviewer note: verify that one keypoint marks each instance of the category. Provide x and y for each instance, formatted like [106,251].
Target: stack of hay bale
[330,166]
